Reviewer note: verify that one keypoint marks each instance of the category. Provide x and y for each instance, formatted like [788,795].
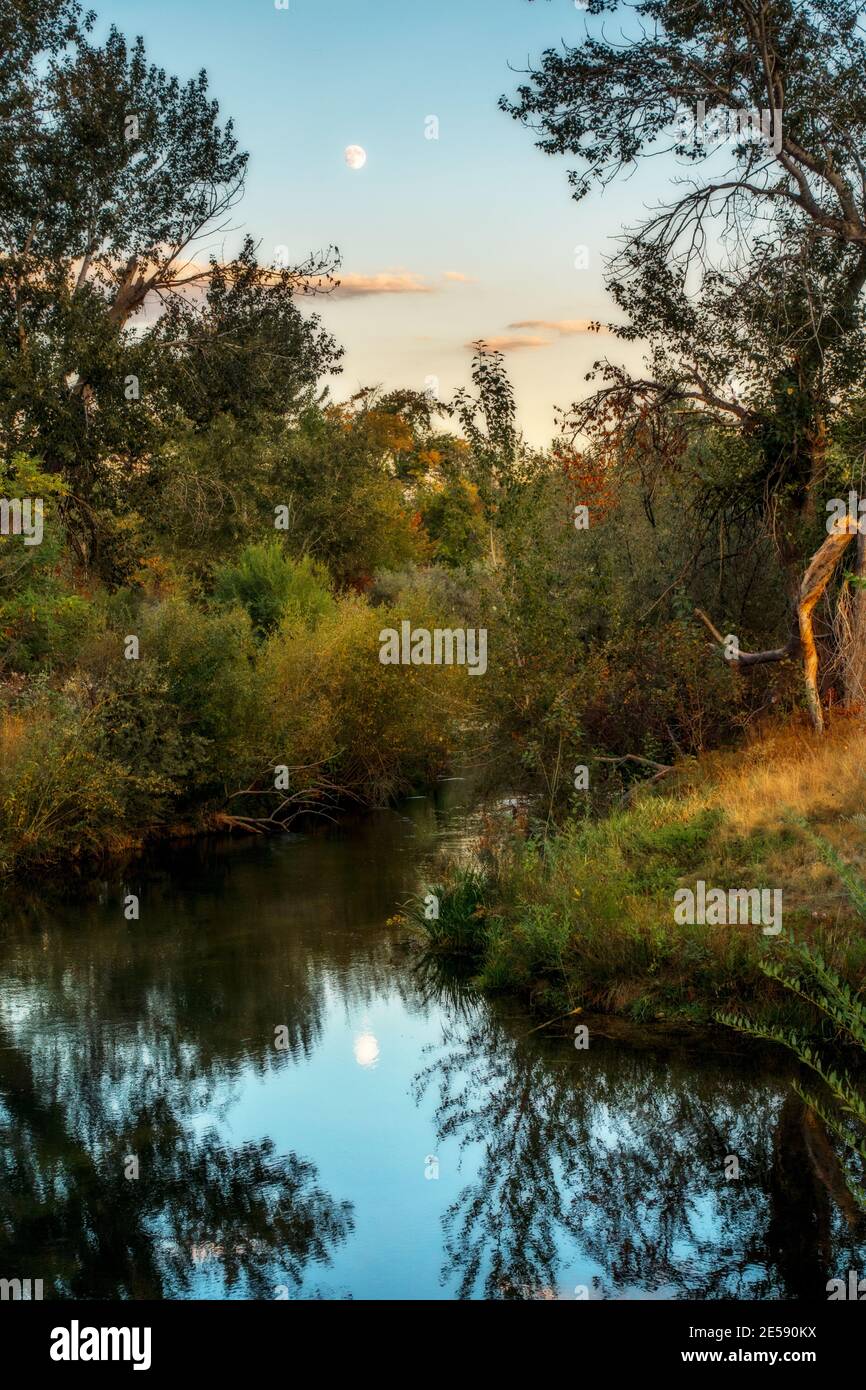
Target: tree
[241,347]
[114,175]
[489,423]
[747,284]
[342,478]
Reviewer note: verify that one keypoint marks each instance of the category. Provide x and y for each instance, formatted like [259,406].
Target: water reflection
[103,1197]
[155,1142]
[622,1154]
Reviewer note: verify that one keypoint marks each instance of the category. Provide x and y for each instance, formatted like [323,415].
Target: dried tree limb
[632,758]
[815,581]
[791,647]
[662,770]
[802,639]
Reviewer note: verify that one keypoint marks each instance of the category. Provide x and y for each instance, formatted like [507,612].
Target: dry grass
[594,912]
[791,772]
[13,734]
[780,777]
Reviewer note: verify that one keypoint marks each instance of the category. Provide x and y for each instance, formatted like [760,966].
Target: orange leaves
[590,477]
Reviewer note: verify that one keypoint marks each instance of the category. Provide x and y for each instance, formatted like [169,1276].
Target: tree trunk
[802,639]
[815,581]
[854,654]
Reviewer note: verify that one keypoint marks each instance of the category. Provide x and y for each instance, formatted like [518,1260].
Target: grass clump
[588,914]
[453,915]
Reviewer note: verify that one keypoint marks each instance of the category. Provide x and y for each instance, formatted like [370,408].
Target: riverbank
[588,918]
[332,1163]
[198,721]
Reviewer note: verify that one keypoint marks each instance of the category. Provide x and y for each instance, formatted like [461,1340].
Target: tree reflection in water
[619,1155]
[156,1038]
[114,1041]
[70,1213]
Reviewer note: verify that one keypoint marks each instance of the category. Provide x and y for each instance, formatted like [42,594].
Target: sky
[443,241]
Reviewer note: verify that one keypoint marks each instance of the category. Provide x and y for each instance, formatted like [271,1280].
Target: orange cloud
[505,344]
[565,327]
[459,276]
[193,279]
[386,282]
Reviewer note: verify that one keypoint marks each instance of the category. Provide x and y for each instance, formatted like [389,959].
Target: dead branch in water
[321,798]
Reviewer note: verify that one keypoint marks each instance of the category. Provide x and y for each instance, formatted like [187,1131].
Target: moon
[366,1049]
[355,156]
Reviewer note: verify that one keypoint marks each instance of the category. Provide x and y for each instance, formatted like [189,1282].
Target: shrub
[458,925]
[377,729]
[59,795]
[208,664]
[522,952]
[271,586]
[453,518]
[136,727]
[43,626]
[41,621]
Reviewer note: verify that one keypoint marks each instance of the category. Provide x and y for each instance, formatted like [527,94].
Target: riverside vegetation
[586,917]
[194,644]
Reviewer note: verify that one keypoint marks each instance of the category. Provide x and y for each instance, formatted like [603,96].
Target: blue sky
[480,202]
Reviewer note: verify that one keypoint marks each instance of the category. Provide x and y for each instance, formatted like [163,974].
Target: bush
[41,621]
[271,587]
[136,728]
[208,663]
[43,626]
[59,796]
[458,925]
[527,950]
[376,729]
[453,518]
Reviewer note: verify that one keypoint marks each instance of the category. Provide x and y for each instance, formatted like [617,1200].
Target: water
[408,1141]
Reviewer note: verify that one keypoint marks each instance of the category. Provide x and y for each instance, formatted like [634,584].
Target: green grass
[452,915]
[586,918]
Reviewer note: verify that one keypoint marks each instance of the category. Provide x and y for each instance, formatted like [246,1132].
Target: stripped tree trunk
[815,581]
[802,639]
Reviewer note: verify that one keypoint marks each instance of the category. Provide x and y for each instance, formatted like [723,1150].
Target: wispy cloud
[352,286]
[195,278]
[510,344]
[565,327]
[459,276]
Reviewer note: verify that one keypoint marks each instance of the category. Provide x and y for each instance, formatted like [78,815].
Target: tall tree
[116,180]
[748,282]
